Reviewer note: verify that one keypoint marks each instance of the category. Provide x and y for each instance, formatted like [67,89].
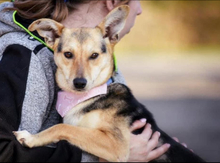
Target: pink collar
[67,100]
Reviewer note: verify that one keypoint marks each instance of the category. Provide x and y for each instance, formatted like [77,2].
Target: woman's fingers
[138,124]
[183,144]
[158,152]
[143,147]
[147,132]
[153,142]
[176,139]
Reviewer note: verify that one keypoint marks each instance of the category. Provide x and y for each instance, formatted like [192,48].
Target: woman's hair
[57,10]
[54,9]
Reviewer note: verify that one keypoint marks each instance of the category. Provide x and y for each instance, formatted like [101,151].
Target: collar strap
[30,33]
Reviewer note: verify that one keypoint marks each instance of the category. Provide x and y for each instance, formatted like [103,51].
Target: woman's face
[135,10]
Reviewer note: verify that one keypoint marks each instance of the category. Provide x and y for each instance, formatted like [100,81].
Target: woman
[27,86]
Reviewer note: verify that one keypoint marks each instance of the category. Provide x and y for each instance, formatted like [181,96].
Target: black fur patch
[121,98]
[81,35]
[59,48]
[103,48]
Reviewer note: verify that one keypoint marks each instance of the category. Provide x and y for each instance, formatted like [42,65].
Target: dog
[99,125]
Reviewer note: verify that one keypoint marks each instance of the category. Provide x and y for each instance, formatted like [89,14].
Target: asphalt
[193,121]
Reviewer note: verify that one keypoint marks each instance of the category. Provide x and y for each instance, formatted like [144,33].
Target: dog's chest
[76,114]
[72,118]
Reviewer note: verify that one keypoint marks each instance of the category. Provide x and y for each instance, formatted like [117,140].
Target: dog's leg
[101,143]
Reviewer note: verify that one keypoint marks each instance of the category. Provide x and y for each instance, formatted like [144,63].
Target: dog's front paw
[24,138]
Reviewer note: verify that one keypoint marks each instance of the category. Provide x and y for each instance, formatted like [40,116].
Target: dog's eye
[68,55]
[94,56]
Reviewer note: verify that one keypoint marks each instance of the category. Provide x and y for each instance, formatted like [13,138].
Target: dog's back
[121,99]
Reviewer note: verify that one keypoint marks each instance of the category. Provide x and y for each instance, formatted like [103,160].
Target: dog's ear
[48,29]
[114,22]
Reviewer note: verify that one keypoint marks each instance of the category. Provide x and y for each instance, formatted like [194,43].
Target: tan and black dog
[100,125]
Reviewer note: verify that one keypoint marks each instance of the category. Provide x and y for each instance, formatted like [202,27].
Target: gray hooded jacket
[28,90]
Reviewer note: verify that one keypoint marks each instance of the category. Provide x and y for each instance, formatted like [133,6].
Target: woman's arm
[12,151]
[13,69]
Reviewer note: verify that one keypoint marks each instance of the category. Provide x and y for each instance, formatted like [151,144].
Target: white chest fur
[75,115]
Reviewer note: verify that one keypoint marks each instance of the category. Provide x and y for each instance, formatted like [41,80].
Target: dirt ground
[183,93]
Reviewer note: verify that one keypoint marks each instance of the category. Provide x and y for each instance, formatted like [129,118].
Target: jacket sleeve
[13,76]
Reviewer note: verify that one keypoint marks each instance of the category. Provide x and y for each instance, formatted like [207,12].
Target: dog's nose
[80,83]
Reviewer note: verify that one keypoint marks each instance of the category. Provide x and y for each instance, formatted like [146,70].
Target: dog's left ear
[49,29]
[114,22]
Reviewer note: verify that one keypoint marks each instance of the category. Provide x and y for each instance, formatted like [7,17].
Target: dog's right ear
[48,29]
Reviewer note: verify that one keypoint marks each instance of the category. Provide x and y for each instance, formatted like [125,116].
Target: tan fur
[96,71]
[101,143]
[98,132]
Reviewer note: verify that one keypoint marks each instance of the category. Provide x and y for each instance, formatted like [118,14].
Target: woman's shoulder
[12,31]
[5,5]
[18,40]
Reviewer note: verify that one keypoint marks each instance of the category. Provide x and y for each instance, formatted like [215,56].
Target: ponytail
[60,11]
[57,10]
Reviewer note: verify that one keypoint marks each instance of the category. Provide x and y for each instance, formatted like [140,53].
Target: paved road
[183,93]
[194,121]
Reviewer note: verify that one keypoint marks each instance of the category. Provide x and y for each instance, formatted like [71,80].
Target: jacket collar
[24,24]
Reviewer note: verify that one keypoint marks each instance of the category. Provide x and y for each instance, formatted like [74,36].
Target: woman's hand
[142,148]
[184,144]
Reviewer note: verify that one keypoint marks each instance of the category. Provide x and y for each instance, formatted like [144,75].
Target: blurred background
[171,61]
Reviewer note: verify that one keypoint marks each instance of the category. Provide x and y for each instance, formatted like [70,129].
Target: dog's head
[84,56]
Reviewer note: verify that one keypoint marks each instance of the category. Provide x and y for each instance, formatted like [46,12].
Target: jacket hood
[7,24]
[11,22]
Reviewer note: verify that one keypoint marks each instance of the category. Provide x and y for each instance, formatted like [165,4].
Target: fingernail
[144,120]
[184,145]
[168,145]
[158,133]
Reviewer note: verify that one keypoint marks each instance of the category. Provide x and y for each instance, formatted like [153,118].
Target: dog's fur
[101,124]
